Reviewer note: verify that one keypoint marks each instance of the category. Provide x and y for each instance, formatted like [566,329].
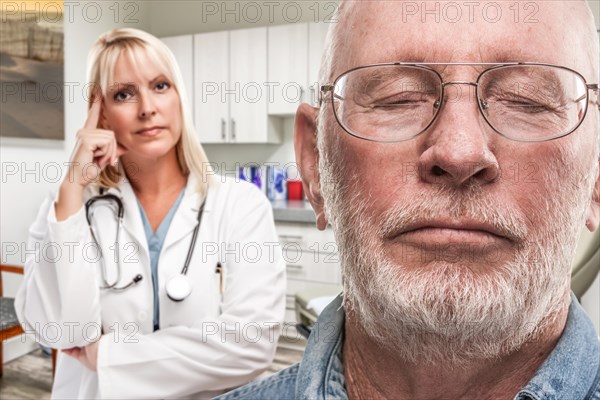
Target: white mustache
[445,203]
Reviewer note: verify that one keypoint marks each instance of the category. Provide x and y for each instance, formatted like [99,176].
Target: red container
[294,190]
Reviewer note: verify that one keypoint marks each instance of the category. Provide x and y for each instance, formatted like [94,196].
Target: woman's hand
[94,150]
[87,355]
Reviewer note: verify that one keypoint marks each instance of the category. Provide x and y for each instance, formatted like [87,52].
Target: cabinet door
[316,44]
[211,81]
[287,67]
[247,94]
[183,50]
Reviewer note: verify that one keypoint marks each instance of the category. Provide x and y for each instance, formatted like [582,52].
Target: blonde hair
[102,59]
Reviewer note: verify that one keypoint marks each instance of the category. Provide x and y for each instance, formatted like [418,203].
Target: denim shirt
[571,371]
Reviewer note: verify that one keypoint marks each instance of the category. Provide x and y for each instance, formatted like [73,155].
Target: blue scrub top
[155,243]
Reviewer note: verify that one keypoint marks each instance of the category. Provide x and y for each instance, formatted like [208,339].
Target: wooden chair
[9,324]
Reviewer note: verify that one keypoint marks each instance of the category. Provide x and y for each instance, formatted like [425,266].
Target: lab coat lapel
[132,220]
[185,218]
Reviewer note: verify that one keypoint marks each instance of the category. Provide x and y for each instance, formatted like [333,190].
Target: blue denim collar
[572,367]
[321,372]
[571,371]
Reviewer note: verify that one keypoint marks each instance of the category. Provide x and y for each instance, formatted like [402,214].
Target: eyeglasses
[393,102]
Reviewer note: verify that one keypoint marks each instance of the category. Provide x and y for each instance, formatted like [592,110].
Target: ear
[307,159]
[593,213]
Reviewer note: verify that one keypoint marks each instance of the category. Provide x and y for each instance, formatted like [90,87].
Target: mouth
[150,131]
[450,232]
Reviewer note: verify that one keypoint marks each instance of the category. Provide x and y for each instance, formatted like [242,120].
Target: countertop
[293,211]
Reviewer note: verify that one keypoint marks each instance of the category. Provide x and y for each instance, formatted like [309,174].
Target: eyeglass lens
[521,102]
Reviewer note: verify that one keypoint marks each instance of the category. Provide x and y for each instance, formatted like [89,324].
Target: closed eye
[401,100]
[529,107]
[397,103]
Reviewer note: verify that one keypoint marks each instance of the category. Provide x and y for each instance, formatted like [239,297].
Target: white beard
[448,312]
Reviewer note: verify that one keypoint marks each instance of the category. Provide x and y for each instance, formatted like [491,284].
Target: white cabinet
[288,67]
[317,33]
[312,261]
[238,83]
[295,53]
[230,73]
[211,78]
[248,69]
[182,48]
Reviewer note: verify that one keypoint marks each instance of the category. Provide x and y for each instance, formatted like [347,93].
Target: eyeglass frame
[329,87]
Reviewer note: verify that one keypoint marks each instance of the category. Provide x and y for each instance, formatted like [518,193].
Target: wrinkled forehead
[450,31]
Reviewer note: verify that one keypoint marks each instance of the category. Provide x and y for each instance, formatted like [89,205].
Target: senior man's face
[457,244]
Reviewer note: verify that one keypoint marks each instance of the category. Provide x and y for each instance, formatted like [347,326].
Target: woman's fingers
[108,150]
[94,113]
[101,143]
[106,143]
[95,145]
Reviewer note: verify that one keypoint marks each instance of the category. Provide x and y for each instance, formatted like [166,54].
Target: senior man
[457,162]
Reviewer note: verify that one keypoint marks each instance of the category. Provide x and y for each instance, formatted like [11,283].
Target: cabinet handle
[294,267]
[232,130]
[223,134]
[291,237]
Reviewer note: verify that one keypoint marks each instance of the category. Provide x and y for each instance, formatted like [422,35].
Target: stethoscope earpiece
[134,281]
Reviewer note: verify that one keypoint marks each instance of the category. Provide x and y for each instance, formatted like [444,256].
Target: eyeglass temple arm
[325,89]
[595,87]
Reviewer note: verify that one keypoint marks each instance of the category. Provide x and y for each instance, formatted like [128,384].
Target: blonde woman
[164,280]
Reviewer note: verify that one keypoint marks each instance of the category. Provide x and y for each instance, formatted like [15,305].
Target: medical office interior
[223,49]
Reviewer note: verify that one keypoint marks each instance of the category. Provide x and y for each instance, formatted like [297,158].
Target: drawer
[311,266]
[305,237]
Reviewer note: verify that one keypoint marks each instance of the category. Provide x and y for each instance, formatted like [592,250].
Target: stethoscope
[177,287]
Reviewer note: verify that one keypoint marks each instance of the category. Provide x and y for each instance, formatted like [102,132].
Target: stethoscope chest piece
[178,287]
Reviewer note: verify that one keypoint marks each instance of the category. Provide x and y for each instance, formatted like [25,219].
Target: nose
[147,107]
[457,150]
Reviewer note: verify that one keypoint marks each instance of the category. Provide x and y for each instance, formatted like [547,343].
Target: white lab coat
[206,344]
